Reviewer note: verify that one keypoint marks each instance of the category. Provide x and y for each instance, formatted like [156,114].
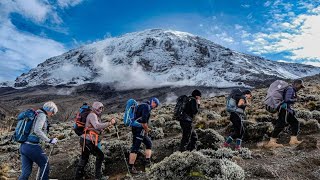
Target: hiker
[242,99]
[286,116]
[31,150]
[90,141]
[140,133]
[189,136]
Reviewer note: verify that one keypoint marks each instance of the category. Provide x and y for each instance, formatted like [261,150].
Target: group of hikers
[185,110]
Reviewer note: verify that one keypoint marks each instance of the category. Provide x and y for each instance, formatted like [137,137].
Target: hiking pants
[281,123]
[89,148]
[138,138]
[189,136]
[33,153]
[237,124]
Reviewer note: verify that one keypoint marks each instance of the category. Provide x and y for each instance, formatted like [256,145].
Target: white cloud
[20,51]
[68,3]
[267,3]
[245,5]
[237,26]
[301,45]
[23,51]
[297,35]
[312,63]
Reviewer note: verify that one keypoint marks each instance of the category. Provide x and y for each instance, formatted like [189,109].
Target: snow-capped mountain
[158,57]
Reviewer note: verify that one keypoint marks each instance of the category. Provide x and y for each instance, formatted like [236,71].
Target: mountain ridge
[156,57]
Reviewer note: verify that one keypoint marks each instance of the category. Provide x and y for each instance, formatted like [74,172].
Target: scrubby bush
[304,114]
[156,133]
[188,165]
[209,138]
[316,115]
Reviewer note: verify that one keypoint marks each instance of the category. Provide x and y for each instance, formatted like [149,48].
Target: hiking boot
[273,144]
[225,145]
[294,140]
[238,147]
[134,171]
[238,142]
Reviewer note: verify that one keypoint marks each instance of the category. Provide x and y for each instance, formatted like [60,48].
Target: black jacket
[192,108]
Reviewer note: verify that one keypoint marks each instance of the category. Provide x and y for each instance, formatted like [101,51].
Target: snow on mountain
[156,57]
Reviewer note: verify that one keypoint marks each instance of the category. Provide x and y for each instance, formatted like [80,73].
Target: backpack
[275,95]
[129,114]
[180,107]
[24,125]
[233,100]
[81,119]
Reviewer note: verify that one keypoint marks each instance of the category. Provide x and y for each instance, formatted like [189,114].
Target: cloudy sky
[33,30]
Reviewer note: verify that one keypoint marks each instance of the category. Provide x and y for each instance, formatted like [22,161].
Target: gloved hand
[112,121]
[53,141]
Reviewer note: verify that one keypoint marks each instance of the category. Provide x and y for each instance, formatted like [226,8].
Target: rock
[195,165]
[264,171]
[308,143]
[310,127]
[209,138]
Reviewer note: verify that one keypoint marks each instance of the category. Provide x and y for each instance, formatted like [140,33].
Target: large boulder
[308,144]
[190,165]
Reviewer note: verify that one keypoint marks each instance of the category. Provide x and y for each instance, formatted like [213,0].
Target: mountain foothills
[157,57]
[212,124]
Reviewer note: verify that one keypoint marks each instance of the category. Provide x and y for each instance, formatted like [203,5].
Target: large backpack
[275,95]
[129,114]
[81,119]
[24,125]
[233,100]
[180,107]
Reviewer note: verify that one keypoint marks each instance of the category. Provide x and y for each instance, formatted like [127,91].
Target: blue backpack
[129,114]
[24,126]
[81,118]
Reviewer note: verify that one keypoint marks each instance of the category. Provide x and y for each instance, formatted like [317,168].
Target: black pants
[89,148]
[138,138]
[238,128]
[281,123]
[189,136]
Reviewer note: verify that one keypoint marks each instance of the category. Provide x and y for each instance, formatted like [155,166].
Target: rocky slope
[156,57]
[209,161]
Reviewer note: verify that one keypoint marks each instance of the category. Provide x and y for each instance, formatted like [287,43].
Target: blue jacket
[142,114]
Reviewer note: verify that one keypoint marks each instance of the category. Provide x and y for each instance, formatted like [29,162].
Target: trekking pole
[124,156]
[45,167]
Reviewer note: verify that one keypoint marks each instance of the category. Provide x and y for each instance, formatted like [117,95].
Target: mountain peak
[157,57]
